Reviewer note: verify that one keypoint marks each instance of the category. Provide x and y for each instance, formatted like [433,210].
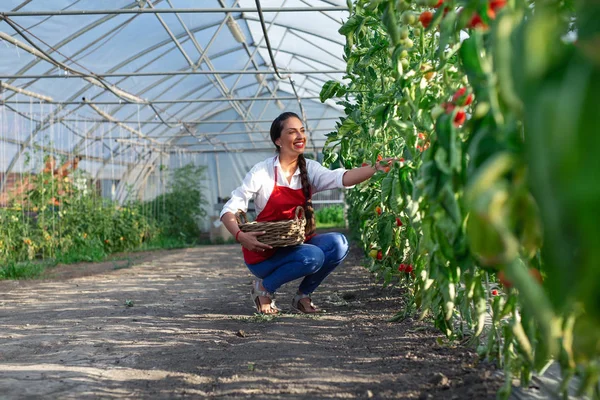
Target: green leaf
[385,233]
[470,58]
[350,25]
[329,90]
[386,188]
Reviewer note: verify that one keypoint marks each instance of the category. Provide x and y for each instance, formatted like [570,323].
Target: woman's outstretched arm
[361,174]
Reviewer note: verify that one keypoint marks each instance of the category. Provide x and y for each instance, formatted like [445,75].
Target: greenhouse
[442,153]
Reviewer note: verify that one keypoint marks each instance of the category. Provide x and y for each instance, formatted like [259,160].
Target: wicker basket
[277,233]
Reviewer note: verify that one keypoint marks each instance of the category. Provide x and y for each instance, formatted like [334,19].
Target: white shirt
[259,182]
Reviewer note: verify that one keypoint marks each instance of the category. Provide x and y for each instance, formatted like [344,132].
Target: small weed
[128,303]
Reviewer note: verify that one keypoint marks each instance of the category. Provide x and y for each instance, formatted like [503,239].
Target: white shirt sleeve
[324,179]
[241,196]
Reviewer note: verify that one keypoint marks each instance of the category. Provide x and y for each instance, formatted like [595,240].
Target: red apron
[280,206]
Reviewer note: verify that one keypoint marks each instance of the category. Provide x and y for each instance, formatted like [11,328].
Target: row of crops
[491,108]
[54,218]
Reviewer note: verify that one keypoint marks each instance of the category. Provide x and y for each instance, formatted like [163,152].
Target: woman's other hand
[250,241]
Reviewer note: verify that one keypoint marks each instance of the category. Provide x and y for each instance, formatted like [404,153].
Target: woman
[278,185]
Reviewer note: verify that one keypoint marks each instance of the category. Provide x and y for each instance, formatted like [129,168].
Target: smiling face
[292,141]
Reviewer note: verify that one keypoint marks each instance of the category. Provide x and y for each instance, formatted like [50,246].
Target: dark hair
[309,211]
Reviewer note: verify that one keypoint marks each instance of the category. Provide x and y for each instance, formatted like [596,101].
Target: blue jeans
[313,260]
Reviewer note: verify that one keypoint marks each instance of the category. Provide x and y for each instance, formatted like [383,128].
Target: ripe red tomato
[364,164]
[401,267]
[497,4]
[379,255]
[425,18]
[494,292]
[421,136]
[476,22]
[439,4]
[409,268]
[378,210]
[398,222]
[460,118]
[460,99]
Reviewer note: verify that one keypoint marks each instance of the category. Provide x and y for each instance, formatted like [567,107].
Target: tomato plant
[488,105]
[52,218]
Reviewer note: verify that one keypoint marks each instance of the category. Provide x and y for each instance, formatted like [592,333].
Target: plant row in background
[330,217]
[491,110]
[55,219]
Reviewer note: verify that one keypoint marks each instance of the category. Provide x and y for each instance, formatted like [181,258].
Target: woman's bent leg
[288,264]
[335,248]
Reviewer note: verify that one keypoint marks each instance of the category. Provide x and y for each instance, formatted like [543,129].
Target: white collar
[277,164]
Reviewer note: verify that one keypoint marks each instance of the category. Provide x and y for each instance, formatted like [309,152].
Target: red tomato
[460,98]
[476,22]
[401,267]
[460,118]
[425,18]
[378,210]
[379,255]
[497,4]
[494,292]
[398,222]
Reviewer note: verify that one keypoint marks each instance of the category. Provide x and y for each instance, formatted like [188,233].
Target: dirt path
[190,332]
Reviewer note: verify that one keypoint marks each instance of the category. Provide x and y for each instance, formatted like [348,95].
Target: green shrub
[330,216]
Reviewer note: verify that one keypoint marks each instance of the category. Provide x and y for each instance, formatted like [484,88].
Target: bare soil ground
[180,324]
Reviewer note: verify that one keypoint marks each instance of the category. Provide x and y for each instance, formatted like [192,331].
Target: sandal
[256,293]
[301,308]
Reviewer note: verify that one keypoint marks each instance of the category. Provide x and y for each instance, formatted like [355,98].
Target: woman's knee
[339,246]
[311,257]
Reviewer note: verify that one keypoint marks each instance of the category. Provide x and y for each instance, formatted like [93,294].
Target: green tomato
[408,43]
[409,18]
[404,32]
[436,112]
[404,63]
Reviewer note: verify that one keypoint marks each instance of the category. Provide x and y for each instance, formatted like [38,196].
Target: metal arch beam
[179,101]
[12,14]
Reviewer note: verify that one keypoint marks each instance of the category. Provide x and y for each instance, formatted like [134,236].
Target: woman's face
[293,137]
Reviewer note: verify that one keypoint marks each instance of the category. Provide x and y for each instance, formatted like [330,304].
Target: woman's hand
[250,241]
[384,164]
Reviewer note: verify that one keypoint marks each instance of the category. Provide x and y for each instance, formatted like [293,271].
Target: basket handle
[299,212]
[240,217]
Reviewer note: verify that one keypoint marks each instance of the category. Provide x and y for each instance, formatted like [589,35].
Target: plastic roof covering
[118,133]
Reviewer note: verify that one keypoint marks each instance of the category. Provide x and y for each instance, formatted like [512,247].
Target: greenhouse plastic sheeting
[136,93]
